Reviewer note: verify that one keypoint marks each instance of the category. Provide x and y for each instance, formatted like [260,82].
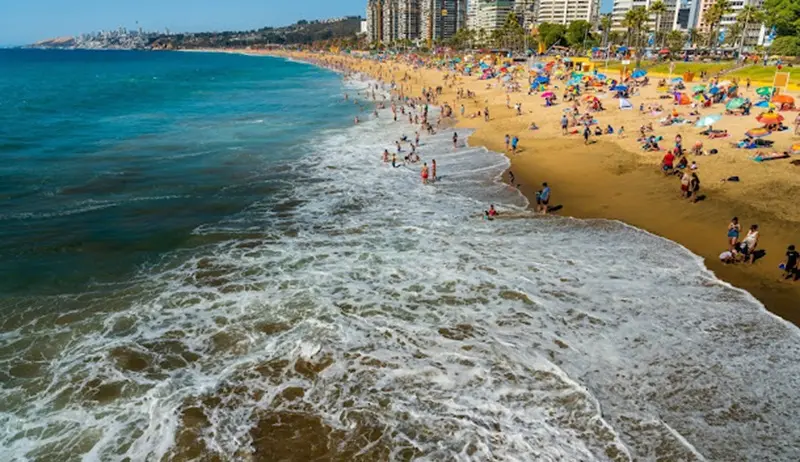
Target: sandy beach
[613,178]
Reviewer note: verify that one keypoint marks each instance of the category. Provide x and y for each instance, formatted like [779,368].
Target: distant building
[364,27]
[375,21]
[755,32]
[667,23]
[442,18]
[567,11]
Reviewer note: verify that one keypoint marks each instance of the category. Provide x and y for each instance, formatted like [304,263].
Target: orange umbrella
[770,118]
[783,99]
[796,148]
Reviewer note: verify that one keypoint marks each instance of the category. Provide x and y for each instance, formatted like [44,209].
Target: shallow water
[354,314]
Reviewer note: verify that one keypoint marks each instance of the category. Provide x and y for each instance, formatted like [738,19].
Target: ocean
[203,258]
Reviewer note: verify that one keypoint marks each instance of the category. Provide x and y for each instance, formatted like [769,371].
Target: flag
[722,36]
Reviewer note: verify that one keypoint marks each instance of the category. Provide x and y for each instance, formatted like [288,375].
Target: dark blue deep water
[110,159]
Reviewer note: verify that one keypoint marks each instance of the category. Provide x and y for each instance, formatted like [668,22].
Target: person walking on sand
[514,142]
[564,124]
[734,228]
[586,133]
[508,142]
[694,187]
[486,114]
[424,173]
[543,199]
[790,267]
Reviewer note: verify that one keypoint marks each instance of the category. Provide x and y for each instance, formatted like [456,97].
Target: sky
[24,22]
[27,21]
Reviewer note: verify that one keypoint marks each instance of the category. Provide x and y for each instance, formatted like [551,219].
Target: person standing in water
[385,155]
[455,140]
[424,173]
[433,169]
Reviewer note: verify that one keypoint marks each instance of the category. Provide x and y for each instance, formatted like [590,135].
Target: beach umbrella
[770,118]
[698,88]
[620,88]
[600,76]
[796,148]
[765,105]
[639,73]
[714,90]
[735,103]
[547,94]
[700,97]
[757,132]
[783,99]
[708,120]
[764,91]
[676,80]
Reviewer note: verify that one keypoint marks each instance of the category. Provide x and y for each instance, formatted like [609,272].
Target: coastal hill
[301,33]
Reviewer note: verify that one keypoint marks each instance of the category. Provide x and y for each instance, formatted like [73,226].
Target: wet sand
[613,179]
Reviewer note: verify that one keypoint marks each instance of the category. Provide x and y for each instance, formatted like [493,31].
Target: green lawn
[680,67]
[766,74]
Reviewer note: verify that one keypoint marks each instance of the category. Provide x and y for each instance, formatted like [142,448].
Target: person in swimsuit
[394,160]
[424,173]
[514,142]
[455,140]
[492,212]
[734,228]
[385,155]
[433,169]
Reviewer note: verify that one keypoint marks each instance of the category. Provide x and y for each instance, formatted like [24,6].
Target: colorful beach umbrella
[639,73]
[735,103]
[698,88]
[547,94]
[620,88]
[700,97]
[770,118]
[796,148]
[708,120]
[765,105]
[783,99]
[764,91]
[676,80]
[757,132]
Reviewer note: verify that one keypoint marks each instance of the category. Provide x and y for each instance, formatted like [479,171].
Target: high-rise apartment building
[754,35]
[492,14]
[442,18]
[667,22]
[374,21]
[567,11]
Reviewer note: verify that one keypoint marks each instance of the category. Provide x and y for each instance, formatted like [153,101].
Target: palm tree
[658,8]
[635,19]
[713,17]
[675,41]
[605,24]
[695,36]
[749,14]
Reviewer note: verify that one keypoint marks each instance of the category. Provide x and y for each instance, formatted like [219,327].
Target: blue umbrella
[677,80]
[639,73]
[708,120]
[620,88]
[714,90]
[763,104]
[601,76]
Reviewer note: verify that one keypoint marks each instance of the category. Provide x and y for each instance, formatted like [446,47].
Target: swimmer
[433,169]
[356,120]
[424,173]
[385,155]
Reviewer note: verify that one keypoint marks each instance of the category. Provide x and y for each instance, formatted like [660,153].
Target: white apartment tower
[440,19]
[668,20]
[567,11]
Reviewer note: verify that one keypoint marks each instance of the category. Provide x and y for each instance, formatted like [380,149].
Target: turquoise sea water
[202,258]
[112,158]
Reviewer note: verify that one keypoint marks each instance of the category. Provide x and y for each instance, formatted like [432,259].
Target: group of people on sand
[746,250]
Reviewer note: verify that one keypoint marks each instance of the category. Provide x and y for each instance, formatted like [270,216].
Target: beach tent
[625,104]
[682,99]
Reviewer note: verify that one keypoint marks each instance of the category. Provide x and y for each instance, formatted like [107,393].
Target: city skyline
[23,23]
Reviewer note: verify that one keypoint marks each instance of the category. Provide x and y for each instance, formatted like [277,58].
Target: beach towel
[773,156]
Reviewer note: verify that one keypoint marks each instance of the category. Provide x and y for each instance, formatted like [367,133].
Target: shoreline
[607,180]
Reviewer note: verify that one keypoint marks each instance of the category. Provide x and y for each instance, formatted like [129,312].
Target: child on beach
[790,267]
[514,142]
[734,228]
[508,142]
